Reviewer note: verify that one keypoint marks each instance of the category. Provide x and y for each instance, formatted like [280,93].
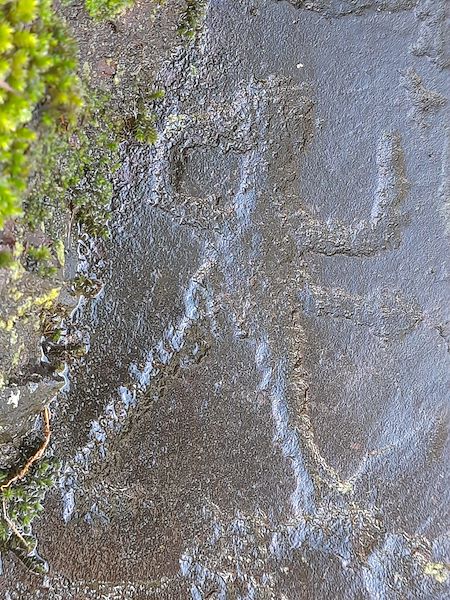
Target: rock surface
[264,409]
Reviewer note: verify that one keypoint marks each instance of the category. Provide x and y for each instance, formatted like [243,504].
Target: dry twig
[36,456]
[24,471]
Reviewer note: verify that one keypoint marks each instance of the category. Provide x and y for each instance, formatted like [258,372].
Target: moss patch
[192,19]
[24,503]
[77,170]
[37,83]
[105,9]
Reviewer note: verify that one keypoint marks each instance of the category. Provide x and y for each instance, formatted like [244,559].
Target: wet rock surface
[263,412]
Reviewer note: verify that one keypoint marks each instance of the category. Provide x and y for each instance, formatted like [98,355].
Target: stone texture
[263,412]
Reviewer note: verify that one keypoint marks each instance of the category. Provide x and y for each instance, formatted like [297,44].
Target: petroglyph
[387,314]
[431,40]
[424,102]
[336,8]
[368,236]
[264,435]
[322,505]
[264,129]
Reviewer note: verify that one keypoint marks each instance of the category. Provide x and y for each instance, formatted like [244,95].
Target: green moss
[38,253]
[81,284]
[6,259]
[157,95]
[144,129]
[192,19]
[39,259]
[142,124]
[105,9]
[76,171]
[37,84]
[24,503]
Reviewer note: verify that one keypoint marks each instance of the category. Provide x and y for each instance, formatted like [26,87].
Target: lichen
[17,355]
[439,571]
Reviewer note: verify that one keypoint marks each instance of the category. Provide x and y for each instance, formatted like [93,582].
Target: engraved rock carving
[266,134]
[424,102]
[248,555]
[431,40]
[262,127]
[369,236]
[321,500]
[386,314]
[265,127]
[337,8]
[262,131]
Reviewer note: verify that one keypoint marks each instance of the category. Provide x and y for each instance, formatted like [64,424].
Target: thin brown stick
[23,471]
[36,456]
[12,525]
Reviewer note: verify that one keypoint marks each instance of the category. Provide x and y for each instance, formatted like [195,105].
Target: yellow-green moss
[76,172]
[105,9]
[38,83]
